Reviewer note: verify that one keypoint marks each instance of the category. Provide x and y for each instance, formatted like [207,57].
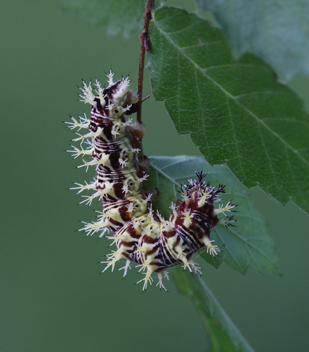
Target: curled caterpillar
[140,235]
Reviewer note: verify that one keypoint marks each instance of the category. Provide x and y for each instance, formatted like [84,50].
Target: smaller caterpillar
[140,235]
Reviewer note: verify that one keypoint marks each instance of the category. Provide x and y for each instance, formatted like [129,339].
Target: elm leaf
[235,111]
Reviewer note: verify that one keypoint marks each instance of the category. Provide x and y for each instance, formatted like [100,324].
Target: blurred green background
[52,296]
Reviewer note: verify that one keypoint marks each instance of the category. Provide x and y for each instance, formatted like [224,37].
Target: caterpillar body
[140,235]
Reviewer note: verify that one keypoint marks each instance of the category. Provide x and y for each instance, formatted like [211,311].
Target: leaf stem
[150,4]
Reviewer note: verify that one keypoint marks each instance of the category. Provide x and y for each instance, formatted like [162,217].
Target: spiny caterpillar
[140,235]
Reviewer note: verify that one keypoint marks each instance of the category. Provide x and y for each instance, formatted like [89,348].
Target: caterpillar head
[120,96]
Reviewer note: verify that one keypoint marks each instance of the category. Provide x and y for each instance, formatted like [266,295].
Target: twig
[150,4]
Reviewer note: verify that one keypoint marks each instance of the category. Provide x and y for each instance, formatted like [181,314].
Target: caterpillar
[141,235]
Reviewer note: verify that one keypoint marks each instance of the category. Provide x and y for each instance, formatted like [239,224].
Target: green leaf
[276,31]
[119,16]
[223,334]
[236,111]
[243,246]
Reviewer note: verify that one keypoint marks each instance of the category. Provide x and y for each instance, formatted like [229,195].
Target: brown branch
[150,4]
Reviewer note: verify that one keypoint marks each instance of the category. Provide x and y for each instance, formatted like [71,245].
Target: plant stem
[150,4]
